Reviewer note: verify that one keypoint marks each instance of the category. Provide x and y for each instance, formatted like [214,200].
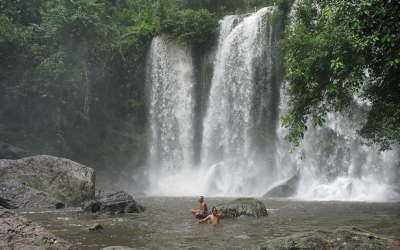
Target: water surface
[168,224]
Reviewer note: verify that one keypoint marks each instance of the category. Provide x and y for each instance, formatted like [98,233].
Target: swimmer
[214,217]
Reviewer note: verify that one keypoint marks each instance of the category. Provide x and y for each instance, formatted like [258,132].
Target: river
[168,224]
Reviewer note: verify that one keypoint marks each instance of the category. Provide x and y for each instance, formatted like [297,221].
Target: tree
[336,49]
[192,26]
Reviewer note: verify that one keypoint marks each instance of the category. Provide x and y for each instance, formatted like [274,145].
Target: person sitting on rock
[202,212]
[214,217]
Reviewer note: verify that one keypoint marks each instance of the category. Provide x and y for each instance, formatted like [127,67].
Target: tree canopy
[336,49]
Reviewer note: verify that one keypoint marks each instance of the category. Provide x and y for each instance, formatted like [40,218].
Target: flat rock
[343,238]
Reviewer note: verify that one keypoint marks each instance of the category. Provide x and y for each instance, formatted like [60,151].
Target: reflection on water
[168,224]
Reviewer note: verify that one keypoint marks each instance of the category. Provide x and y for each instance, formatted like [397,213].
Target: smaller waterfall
[335,165]
[170,78]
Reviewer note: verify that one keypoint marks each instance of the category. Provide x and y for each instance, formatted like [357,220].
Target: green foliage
[192,26]
[62,86]
[329,47]
[22,11]
[132,33]
[31,184]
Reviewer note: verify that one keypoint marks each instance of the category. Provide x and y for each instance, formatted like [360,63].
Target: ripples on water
[168,224]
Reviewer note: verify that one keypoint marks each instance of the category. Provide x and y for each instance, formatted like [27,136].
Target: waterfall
[171,82]
[241,105]
[236,146]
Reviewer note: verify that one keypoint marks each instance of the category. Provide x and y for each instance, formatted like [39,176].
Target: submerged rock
[119,202]
[344,238]
[60,180]
[94,227]
[244,207]
[285,190]
[17,232]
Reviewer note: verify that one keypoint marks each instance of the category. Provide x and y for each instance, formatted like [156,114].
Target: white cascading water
[241,147]
[170,77]
[231,153]
[335,165]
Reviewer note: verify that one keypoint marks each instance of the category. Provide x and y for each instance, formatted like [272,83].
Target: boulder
[10,152]
[100,193]
[344,238]
[244,207]
[18,195]
[17,232]
[66,181]
[119,202]
[285,190]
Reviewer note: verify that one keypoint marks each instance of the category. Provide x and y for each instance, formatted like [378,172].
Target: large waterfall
[235,147]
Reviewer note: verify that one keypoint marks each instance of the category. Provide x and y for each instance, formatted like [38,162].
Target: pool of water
[168,224]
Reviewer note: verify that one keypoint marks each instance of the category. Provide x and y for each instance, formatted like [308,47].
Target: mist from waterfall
[235,147]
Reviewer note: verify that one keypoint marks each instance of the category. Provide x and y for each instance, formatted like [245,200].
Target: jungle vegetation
[72,71]
[335,50]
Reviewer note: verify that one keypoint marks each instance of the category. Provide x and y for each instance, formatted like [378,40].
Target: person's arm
[220,214]
[204,220]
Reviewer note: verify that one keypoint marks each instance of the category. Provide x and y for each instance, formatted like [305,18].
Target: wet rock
[285,190]
[19,195]
[100,193]
[281,191]
[7,203]
[118,248]
[11,152]
[94,227]
[244,207]
[65,181]
[119,202]
[17,232]
[344,238]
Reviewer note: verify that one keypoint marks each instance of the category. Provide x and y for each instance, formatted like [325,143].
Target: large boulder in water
[17,232]
[66,181]
[285,190]
[115,203]
[244,207]
[344,238]
[19,195]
